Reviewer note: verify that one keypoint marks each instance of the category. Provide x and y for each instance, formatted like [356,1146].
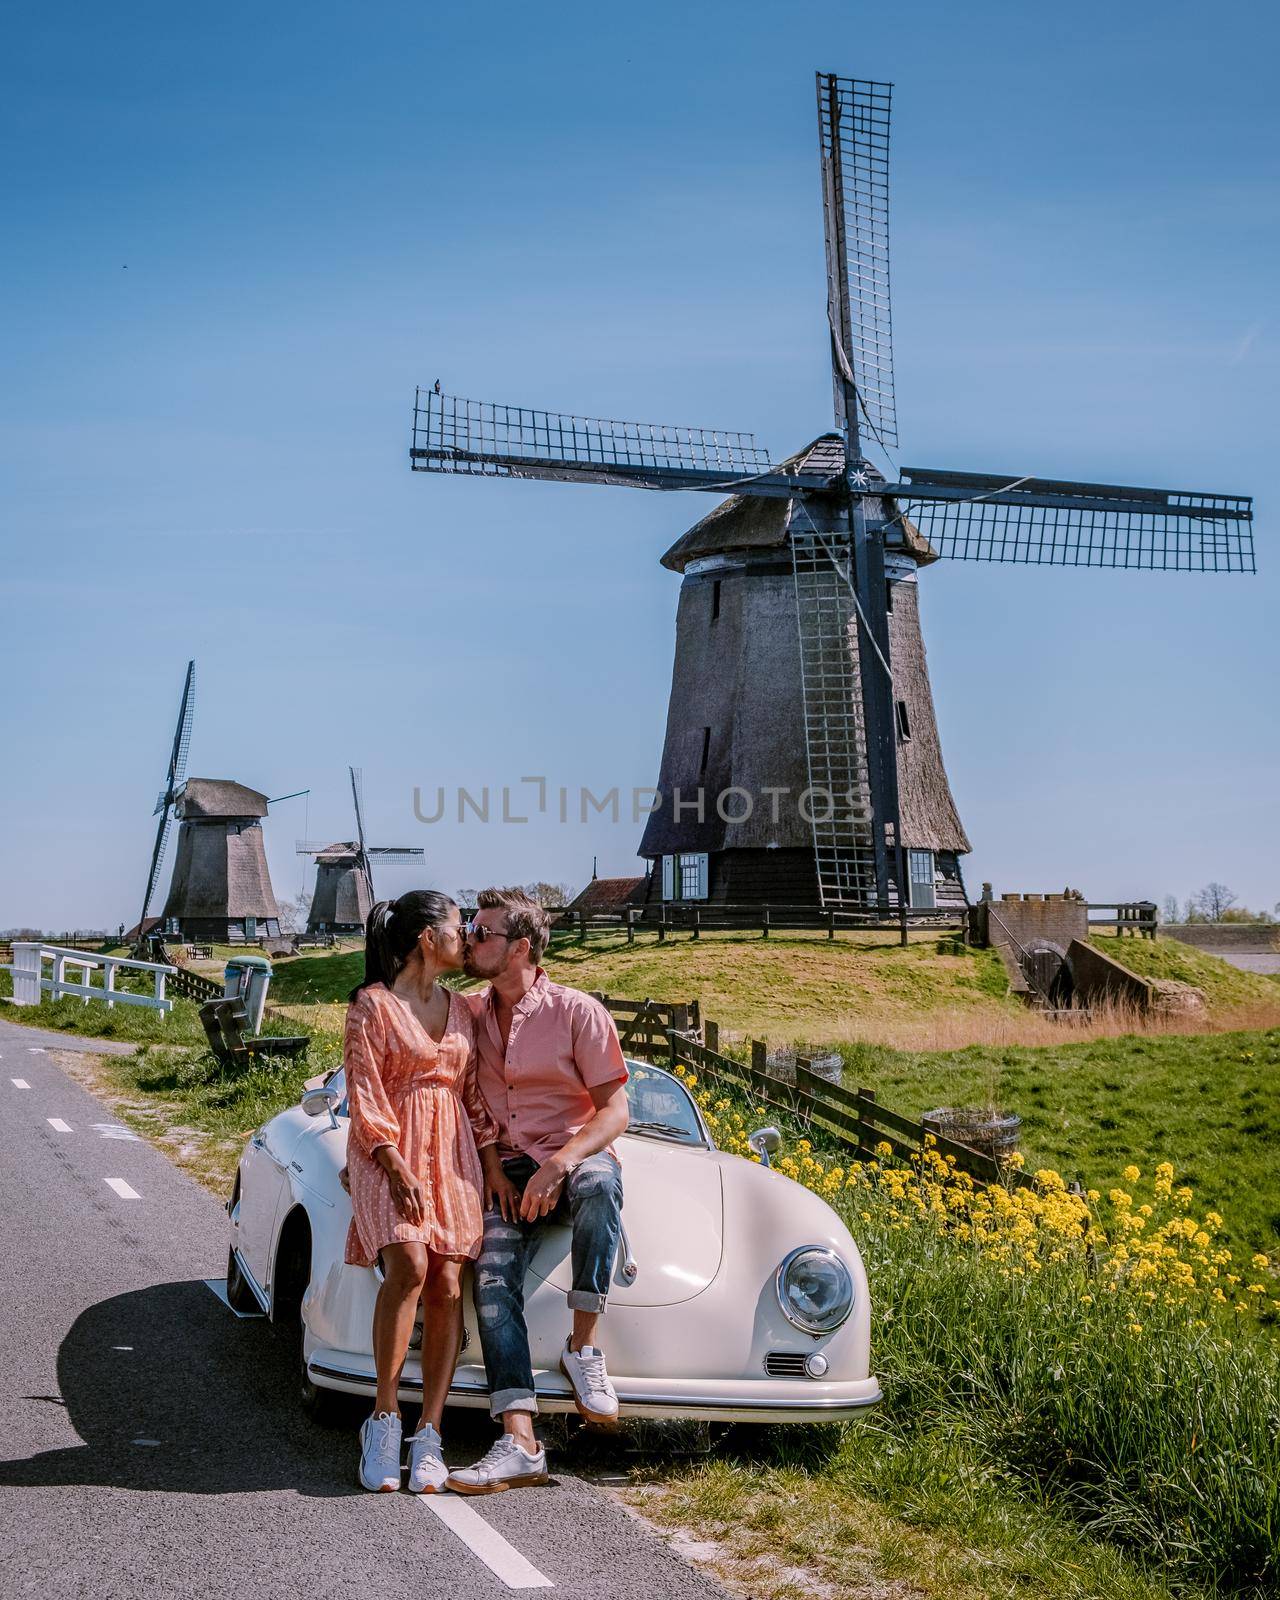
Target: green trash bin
[247,979]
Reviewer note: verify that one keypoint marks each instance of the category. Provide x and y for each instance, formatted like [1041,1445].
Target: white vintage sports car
[738,1295]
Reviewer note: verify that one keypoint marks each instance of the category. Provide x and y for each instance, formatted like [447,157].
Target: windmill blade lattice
[971,516]
[480,437]
[173,782]
[853,131]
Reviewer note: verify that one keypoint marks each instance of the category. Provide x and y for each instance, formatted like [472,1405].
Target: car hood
[673,1213]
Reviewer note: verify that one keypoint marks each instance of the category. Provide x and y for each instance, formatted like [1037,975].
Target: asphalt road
[150,1440]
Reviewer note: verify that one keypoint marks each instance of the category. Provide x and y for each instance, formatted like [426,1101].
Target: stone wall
[1028,920]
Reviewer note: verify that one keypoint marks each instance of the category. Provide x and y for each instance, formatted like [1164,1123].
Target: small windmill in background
[344,893]
[799,659]
[174,779]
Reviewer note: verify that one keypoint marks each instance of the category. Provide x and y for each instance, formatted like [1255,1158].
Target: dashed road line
[485,1542]
[126,1191]
[37,1049]
[58,1125]
[19,1083]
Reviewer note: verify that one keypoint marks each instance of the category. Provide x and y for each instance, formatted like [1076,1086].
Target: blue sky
[238,236]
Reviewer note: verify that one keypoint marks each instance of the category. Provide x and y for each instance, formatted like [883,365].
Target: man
[552,1074]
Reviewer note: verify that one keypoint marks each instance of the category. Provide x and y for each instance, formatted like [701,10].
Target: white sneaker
[593,1394]
[427,1470]
[380,1453]
[506,1466]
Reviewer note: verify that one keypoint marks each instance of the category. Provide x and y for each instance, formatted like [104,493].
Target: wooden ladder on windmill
[834,725]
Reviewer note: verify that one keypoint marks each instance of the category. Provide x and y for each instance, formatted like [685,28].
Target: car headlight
[815,1290]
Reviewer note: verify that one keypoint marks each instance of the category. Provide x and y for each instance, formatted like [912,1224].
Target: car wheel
[240,1296]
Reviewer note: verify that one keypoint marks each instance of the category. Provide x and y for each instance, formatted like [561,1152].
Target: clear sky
[237,236]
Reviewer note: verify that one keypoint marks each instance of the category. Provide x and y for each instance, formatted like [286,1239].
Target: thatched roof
[219,797]
[747,522]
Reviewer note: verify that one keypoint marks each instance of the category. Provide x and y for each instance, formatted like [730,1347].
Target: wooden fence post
[759,1056]
[697,923]
[764,922]
[711,1035]
[831,924]
[631,924]
[662,924]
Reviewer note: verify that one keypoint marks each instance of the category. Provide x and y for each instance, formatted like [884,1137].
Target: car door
[264,1181]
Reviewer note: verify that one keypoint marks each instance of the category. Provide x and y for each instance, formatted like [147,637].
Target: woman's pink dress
[405,1089]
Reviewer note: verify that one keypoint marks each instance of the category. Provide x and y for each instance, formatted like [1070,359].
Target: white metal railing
[30,980]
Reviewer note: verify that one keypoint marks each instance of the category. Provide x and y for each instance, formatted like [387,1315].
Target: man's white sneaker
[506,1466]
[427,1470]
[593,1394]
[380,1453]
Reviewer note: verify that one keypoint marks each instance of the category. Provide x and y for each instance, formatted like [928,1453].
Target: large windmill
[177,771]
[344,893]
[799,662]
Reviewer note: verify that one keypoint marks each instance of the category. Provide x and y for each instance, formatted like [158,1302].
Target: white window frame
[674,869]
[918,887]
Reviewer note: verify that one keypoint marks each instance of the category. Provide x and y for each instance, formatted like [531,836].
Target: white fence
[31,980]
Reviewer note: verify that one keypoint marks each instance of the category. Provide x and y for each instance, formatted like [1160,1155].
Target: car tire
[240,1297]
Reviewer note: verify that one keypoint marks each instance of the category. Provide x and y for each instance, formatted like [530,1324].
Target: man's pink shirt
[562,1044]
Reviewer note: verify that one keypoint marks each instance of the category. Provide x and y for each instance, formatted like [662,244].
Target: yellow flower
[1135,1328]
[1131,1174]
[884,1149]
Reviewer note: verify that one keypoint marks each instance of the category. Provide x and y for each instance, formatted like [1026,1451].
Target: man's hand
[542,1191]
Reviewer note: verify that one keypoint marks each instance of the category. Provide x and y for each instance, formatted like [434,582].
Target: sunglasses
[477,931]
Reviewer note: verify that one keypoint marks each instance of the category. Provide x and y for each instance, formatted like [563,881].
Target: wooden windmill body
[344,895]
[221,890]
[800,665]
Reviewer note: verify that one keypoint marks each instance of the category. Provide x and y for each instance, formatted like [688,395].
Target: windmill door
[920,879]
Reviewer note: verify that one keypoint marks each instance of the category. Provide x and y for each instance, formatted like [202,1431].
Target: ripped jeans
[591,1202]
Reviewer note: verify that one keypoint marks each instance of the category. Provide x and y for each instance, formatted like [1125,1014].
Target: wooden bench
[200,952]
[223,1022]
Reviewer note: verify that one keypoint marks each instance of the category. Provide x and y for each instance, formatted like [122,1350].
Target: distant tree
[1211,903]
[1169,911]
[549,895]
[293,913]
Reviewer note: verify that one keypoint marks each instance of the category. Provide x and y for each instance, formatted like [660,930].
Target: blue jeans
[591,1202]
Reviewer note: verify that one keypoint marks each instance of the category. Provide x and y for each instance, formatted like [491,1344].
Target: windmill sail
[173,782]
[853,131]
[973,516]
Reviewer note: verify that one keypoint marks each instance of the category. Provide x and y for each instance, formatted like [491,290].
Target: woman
[421,1149]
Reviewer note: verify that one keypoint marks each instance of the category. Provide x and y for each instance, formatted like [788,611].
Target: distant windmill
[344,873]
[799,659]
[173,782]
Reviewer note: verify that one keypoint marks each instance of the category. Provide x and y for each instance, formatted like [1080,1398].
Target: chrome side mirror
[765,1142]
[315,1102]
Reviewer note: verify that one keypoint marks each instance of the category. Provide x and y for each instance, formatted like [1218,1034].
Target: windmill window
[706,750]
[715,599]
[684,876]
[904,721]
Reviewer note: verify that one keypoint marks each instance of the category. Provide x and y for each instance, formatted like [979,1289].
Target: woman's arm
[373,1121]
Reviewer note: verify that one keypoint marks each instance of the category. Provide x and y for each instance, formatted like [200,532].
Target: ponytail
[393,929]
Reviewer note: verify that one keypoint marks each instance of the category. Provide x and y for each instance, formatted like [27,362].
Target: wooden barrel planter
[989,1132]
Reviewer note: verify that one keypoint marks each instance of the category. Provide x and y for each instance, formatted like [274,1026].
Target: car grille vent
[785,1364]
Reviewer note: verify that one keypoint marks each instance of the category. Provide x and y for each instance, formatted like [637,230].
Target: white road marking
[114,1130]
[58,1125]
[501,1558]
[19,1083]
[36,1049]
[124,1190]
[145,1441]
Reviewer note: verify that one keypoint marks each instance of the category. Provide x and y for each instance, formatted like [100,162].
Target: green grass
[1206,1102]
[1224,986]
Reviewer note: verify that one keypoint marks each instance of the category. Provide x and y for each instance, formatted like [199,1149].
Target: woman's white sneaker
[506,1466]
[380,1453]
[593,1394]
[427,1470]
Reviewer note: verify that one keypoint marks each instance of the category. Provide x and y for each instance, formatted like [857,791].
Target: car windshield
[660,1106]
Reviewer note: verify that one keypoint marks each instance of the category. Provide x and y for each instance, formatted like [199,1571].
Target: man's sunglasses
[477,931]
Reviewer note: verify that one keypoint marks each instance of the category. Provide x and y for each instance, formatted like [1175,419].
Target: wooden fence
[695,917]
[855,1120]
[645,1027]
